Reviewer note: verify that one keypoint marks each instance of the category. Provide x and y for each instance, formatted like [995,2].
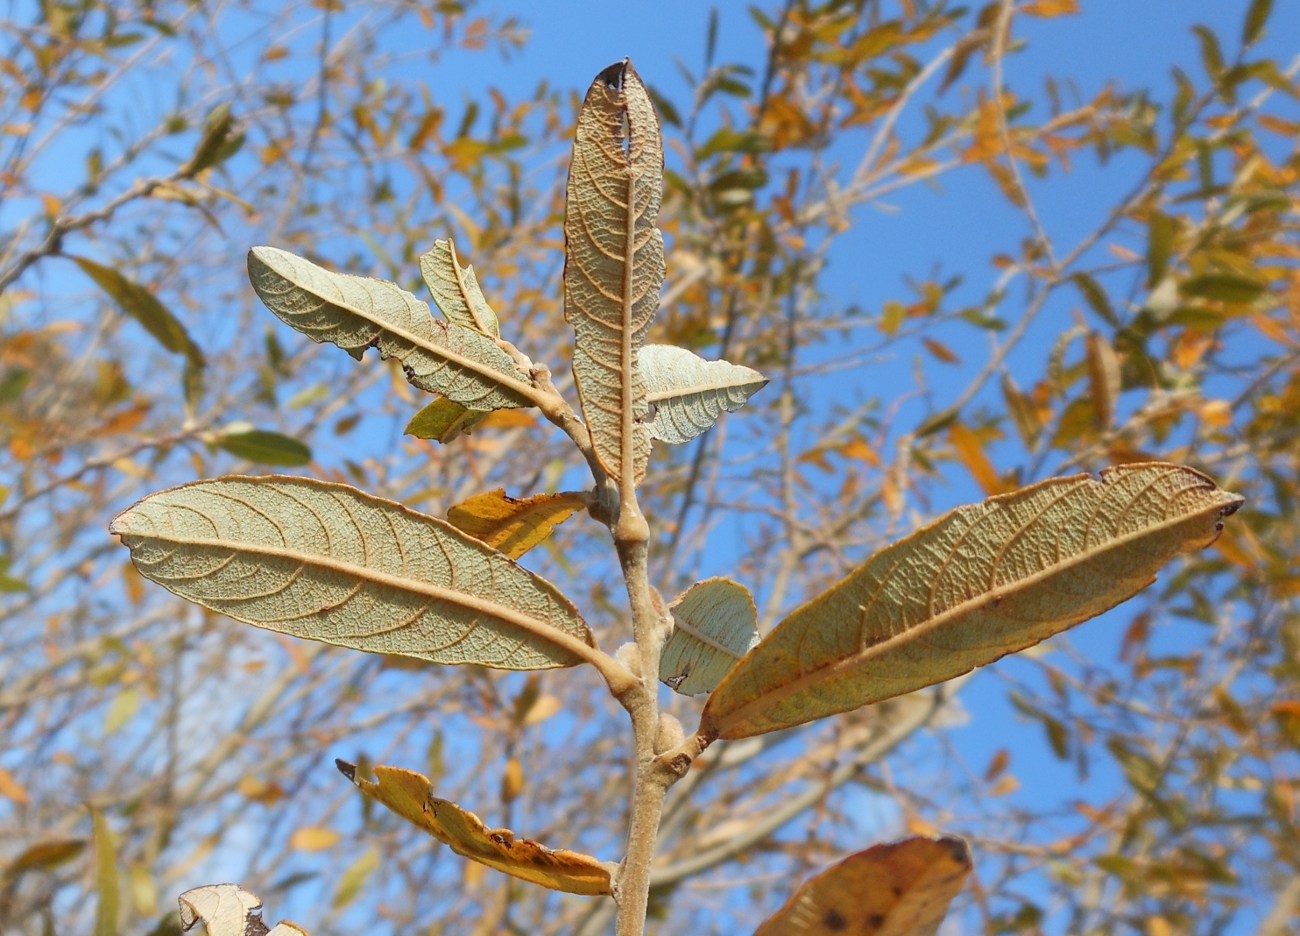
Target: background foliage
[1099,272]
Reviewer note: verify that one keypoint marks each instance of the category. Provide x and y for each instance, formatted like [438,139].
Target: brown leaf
[513,526]
[409,795]
[614,263]
[899,889]
[983,581]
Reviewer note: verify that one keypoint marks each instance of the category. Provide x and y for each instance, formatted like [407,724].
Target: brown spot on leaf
[835,921]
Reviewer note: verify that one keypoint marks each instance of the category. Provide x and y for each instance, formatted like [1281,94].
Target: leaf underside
[228,910]
[327,562]
[614,262]
[410,796]
[689,393]
[715,623]
[356,313]
[455,289]
[898,889]
[983,581]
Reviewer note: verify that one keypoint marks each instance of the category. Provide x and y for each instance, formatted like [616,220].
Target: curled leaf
[714,625]
[409,795]
[983,581]
[329,563]
[455,289]
[614,262]
[898,889]
[513,526]
[356,313]
[228,910]
[690,393]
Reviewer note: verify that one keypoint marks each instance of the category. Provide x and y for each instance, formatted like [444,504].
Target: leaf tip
[348,770]
[613,76]
[958,850]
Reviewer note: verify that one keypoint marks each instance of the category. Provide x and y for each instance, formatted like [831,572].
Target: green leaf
[714,625]
[355,878]
[141,305]
[1224,287]
[329,563]
[265,447]
[1096,298]
[690,393]
[1160,239]
[443,421]
[983,581]
[217,144]
[1256,16]
[455,289]
[356,313]
[107,893]
[1211,54]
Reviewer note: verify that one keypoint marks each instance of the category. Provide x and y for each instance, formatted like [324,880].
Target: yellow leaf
[542,709]
[355,878]
[983,581]
[408,794]
[512,781]
[1050,8]
[900,889]
[514,526]
[970,451]
[11,789]
[314,839]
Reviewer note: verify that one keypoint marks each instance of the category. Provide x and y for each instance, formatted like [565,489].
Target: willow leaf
[899,889]
[689,393]
[356,313]
[983,581]
[410,795]
[455,289]
[510,525]
[614,263]
[329,563]
[714,625]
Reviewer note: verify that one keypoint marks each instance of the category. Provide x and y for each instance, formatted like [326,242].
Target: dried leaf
[900,889]
[141,305]
[983,581]
[1103,378]
[455,289]
[690,393]
[714,625]
[228,910]
[356,313]
[614,263]
[443,421]
[514,526]
[327,562]
[408,794]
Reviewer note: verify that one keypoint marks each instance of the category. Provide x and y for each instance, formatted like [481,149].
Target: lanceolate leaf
[409,795]
[265,447]
[983,581]
[690,393]
[329,563]
[141,305]
[514,526]
[899,889]
[456,291]
[356,313]
[614,262]
[714,625]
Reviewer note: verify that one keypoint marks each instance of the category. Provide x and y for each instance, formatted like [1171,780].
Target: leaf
[141,305]
[356,313]
[1160,239]
[899,889]
[1104,378]
[444,421]
[983,581]
[513,526]
[970,452]
[107,893]
[1256,16]
[614,263]
[354,879]
[329,563]
[44,856]
[228,910]
[455,289]
[1225,287]
[314,839]
[408,794]
[714,625]
[264,447]
[1096,298]
[216,145]
[690,393]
